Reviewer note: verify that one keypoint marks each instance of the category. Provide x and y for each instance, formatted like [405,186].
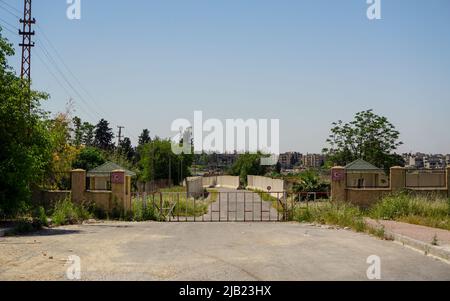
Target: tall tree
[369,137]
[25,142]
[78,131]
[144,138]
[88,134]
[126,149]
[89,158]
[159,162]
[104,136]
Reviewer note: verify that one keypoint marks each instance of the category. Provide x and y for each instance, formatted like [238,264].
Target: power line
[60,84]
[6,25]
[47,53]
[9,11]
[10,6]
[78,82]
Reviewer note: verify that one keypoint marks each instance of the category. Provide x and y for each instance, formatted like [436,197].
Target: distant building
[313,160]
[426,161]
[289,160]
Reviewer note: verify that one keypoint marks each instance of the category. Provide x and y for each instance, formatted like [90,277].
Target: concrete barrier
[263,183]
[231,182]
[194,186]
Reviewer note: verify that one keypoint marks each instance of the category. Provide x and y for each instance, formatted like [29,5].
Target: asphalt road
[210,251]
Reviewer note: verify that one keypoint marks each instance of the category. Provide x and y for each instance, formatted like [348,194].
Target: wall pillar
[78,185]
[398,179]
[118,188]
[338,184]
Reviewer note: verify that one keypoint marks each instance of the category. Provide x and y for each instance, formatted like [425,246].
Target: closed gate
[214,206]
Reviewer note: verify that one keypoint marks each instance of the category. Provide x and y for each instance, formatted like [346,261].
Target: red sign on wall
[338,175]
[118,178]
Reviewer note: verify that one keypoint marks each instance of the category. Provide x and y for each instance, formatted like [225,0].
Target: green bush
[338,214]
[40,217]
[144,212]
[68,213]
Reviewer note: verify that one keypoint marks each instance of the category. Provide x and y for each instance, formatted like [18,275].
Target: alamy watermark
[374,270]
[374,9]
[233,136]
[73,272]
[73,11]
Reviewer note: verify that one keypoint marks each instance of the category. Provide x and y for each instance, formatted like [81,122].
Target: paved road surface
[210,251]
[240,206]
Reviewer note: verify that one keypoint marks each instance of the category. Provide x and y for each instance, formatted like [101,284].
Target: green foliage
[40,217]
[104,136]
[68,213]
[157,157]
[369,137]
[144,212]
[25,143]
[248,164]
[429,211]
[126,149]
[88,158]
[144,138]
[309,181]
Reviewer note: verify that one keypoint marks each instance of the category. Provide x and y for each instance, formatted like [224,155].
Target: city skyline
[307,63]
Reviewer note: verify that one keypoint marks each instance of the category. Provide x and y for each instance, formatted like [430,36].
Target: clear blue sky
[308,63]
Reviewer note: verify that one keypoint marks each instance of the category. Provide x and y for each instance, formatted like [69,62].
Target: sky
[144,63]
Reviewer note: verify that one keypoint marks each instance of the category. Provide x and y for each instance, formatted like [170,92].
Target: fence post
[398,179]
[338,184]
[78,185]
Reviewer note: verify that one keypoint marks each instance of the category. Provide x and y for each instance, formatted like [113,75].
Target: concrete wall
[231,182]
[103,200]
[425,180]
[365,197]
[262,183]
[48,199]
[194,186]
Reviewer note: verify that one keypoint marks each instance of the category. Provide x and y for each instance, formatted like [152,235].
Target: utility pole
[27,42]
[120,134]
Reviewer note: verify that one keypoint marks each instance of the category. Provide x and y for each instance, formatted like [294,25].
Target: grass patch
[431,211]
[157,209]
[337,214]
[173,189]
[68,213]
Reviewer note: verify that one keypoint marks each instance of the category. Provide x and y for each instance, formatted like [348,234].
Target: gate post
[338,184]
[118,188]
[398,179]
[78,185]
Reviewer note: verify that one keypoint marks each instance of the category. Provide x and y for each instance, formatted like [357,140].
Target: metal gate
[215,206]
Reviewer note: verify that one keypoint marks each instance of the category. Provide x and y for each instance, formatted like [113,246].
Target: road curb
[426,248]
